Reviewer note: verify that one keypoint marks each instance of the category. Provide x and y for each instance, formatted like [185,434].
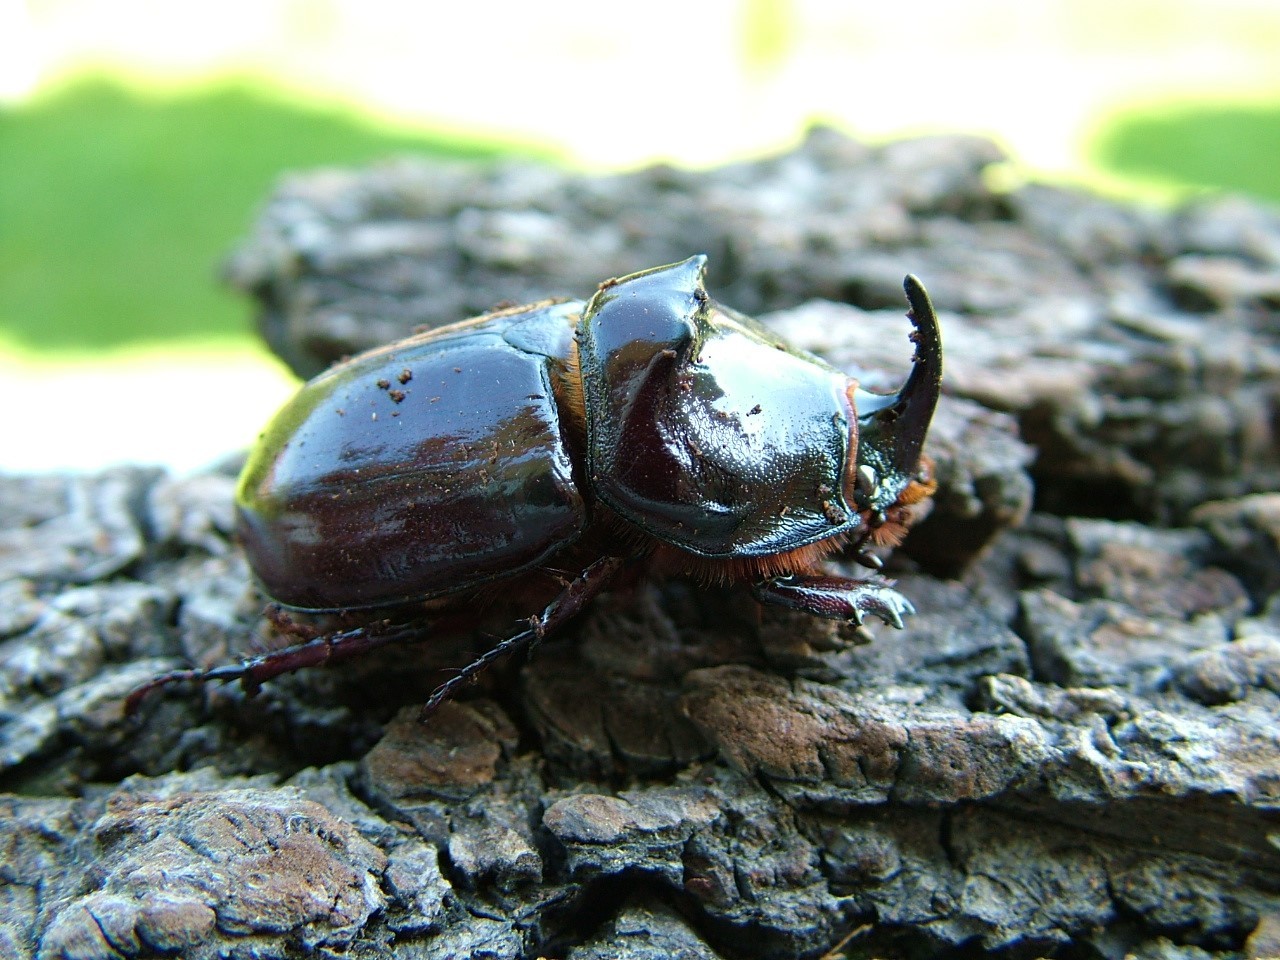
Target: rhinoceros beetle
[567,442]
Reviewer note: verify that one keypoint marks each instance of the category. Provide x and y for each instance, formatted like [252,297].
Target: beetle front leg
[836,598]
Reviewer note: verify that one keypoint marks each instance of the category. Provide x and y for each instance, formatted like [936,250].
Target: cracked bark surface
[1073,750]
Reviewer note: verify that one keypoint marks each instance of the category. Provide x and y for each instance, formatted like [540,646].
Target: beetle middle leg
[836,598]
[567,604]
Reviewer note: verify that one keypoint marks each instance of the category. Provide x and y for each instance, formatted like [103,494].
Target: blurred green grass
[1230,146]
[116,205]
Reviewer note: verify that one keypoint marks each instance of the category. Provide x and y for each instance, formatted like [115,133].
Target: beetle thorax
[704,430]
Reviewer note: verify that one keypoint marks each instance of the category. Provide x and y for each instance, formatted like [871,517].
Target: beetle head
[890,474]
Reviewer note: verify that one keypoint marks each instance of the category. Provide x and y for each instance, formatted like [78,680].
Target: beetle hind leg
[836,598]
[313,652]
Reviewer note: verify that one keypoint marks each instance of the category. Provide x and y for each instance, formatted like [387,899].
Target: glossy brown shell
[417,470]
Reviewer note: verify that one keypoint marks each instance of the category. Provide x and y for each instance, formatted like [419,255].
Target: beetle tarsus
[565,606]
[836,598]
[471,672]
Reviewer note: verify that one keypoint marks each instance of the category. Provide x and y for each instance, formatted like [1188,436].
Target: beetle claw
[895,618]
[892,607]
[884,602]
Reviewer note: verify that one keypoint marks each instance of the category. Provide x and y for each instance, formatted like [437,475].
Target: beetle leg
[252,674]
[567,604]
[836,598]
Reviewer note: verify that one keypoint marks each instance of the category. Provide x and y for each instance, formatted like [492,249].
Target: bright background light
[599,86]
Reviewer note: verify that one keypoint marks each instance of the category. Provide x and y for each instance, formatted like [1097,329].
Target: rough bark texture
[1073,750]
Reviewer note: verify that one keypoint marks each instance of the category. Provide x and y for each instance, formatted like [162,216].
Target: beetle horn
[905,415]
[919,395]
